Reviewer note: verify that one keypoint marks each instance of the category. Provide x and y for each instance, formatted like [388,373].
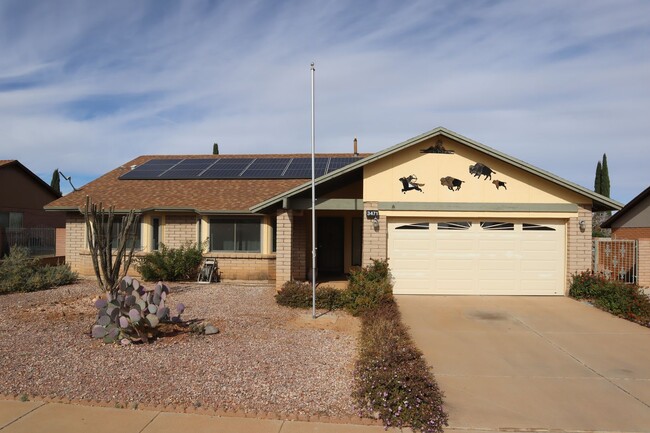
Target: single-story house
[633,222]
[22,197]
[451,215]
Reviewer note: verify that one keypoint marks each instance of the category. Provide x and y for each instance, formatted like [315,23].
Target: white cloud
[553,83]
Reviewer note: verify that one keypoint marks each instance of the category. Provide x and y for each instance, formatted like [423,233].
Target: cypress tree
[215,149]
[604,182]
[55,183]
[599,178]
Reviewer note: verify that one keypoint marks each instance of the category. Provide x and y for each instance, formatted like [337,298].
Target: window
[235,234]
[11,220]
[537,227]
[416,226]
[155,234]
[117,225]
[456,225]
[493,225]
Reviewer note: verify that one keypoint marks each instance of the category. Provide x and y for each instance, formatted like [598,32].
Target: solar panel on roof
[340,162]
[236,168]
[227,168]
[271,168]
[150,169]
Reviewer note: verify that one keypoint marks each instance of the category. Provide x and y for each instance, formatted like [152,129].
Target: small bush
[21,273]
[393,381]
[624,300]
[171,264]
[296,294]
[368,288]
[586,285]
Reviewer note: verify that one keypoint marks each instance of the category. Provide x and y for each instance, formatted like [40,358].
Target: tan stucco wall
[381,179]
[382,185]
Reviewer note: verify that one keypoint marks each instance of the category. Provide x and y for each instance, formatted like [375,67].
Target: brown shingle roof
[208,195]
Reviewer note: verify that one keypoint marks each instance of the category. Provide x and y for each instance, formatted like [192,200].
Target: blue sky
[86,86]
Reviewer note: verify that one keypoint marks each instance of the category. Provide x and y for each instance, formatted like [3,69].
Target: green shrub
[624,300]
[369,287]
[171,264]
[21,273]
[297,294]
[586,285]
[393,381]
[627,301]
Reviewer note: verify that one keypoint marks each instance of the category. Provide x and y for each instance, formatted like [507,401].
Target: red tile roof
[208,195]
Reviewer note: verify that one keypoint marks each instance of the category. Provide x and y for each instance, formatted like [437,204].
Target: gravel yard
[266,358]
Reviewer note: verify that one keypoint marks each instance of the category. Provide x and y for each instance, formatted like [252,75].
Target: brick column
[375,241]
[75,237]
[643,264]
[283,263]
[579,243]
[300,257]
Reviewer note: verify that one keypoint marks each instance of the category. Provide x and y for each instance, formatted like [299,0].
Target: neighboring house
[22,197]
[633,222]
[501,227]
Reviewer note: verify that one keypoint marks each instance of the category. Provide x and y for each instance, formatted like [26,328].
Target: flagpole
[313,196]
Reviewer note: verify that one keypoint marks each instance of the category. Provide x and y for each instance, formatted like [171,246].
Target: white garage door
[477,257]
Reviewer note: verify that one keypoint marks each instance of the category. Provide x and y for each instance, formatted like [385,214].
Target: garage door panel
[478,260]
[448,265]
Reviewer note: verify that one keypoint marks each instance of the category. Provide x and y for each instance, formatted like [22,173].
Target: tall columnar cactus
[133,313]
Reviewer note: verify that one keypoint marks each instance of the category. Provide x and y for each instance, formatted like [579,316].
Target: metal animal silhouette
[451,183]
[479,170]
[499,183]
[438,148]
[410,183]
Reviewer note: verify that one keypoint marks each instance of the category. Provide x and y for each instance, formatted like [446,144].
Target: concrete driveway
[528,363]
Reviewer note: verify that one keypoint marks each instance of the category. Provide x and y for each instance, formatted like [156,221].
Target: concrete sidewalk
[42,417]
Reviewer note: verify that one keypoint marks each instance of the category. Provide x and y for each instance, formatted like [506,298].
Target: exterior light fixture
[375,223]
[583,225]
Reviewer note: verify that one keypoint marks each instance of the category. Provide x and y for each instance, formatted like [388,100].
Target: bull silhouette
[479,170]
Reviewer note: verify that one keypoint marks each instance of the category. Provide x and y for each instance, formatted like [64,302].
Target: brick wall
[300,256]
[245,266]
[75,235]
[60,242]
[631,233]
[579,243]
[374,240]
[179,229]
[283,261]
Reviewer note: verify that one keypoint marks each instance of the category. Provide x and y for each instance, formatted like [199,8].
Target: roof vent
[133,166]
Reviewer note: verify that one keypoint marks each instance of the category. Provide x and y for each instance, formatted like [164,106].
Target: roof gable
[598,200]
[6,163]
[638,205]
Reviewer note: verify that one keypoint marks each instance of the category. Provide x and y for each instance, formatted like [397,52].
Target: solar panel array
[236,168]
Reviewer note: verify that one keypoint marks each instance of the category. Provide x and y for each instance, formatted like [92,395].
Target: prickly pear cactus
[133,314]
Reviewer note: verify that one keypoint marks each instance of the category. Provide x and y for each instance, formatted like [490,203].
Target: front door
[329,238]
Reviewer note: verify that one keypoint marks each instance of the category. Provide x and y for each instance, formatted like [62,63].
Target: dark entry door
[329,238]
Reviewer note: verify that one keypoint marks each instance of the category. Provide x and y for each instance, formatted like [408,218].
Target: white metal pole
[313,196]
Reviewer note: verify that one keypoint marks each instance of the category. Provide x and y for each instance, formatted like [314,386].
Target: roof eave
[606,202]
[630,205]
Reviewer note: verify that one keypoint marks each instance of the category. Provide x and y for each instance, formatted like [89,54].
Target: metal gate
[616,259]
